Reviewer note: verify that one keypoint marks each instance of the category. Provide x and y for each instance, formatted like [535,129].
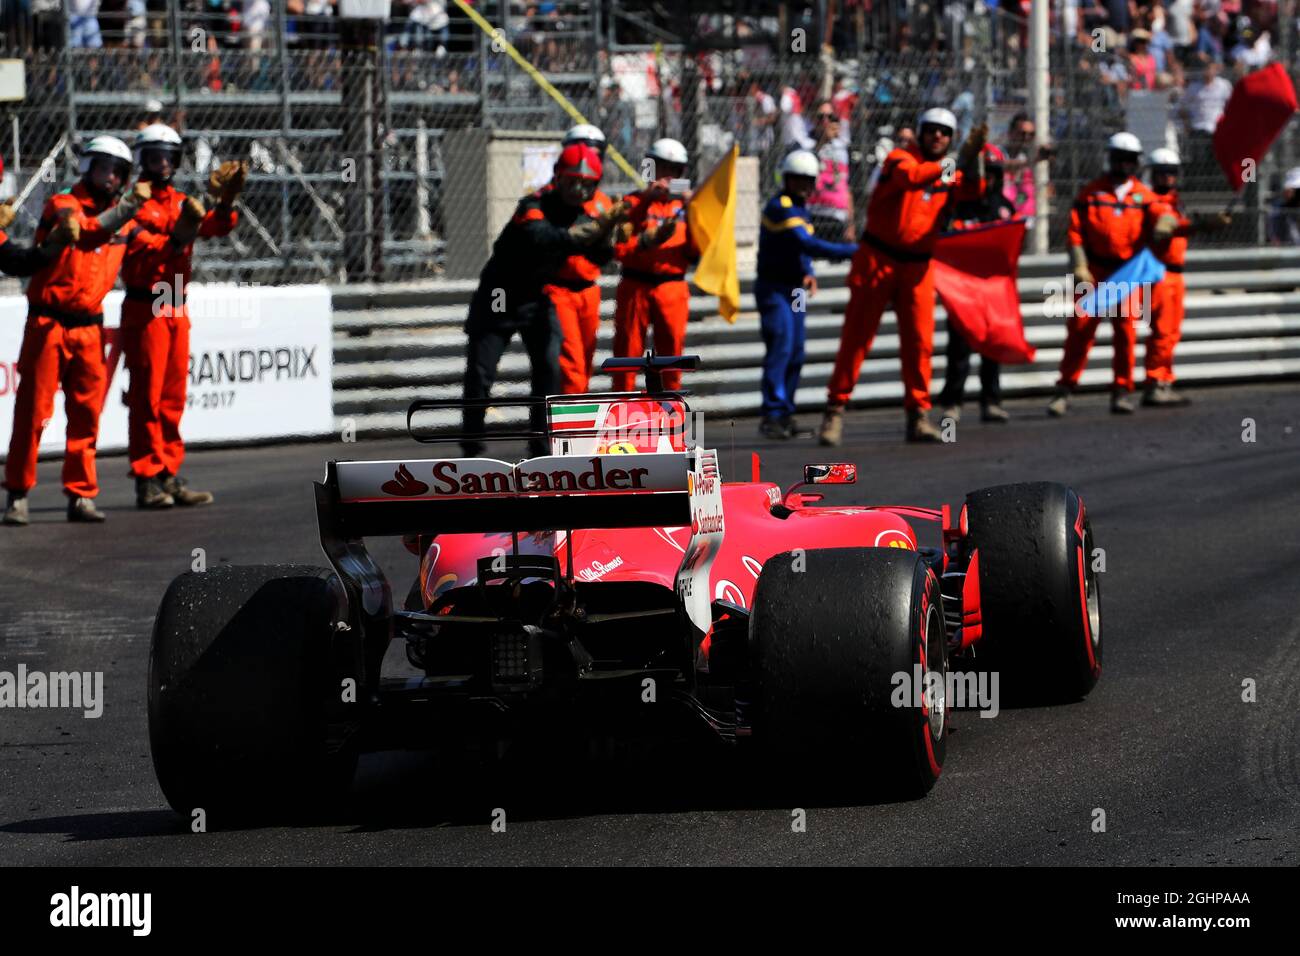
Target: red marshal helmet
[580,161]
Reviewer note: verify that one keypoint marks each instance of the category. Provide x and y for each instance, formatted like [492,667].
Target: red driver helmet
[580,161]
[994,156]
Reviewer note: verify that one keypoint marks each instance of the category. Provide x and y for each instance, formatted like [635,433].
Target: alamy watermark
[72,690]
[967,690]
[76,909]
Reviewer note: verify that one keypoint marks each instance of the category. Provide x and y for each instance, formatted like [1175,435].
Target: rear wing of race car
[359,499]
[551,493]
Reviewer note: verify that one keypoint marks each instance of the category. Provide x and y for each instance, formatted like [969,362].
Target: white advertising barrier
[260,367]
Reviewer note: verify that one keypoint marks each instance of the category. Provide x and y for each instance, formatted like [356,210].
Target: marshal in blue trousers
[783,336]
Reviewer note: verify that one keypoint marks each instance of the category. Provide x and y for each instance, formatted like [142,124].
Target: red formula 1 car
[614,586]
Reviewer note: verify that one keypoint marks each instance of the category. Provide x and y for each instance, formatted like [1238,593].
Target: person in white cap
[587,135]
[893,265]
[655,254]
[1107,228]
[1284,212]
[152,114]
[787,245]
[1169,233]
[63,341]
[155,327]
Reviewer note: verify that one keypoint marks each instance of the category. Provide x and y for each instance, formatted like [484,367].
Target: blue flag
[1107,297]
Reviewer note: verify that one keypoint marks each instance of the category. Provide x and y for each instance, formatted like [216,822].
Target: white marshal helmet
[1164,156]
[668,151]
[156,136]
[1124,143]
[801,162]
[938,116]
[103,146]
[584,133]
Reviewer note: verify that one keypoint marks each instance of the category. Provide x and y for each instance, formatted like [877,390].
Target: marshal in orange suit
[652,292]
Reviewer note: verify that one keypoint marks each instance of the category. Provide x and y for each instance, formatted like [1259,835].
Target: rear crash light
[517,658]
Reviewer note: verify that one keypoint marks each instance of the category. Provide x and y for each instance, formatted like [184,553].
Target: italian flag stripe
[574,416]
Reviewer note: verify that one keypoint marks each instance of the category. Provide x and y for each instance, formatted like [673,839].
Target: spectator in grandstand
[830,203]
[427,26]
[1154,20]
[1209,41]
[1118,16]
[887,140]
[1018,169]
[136,24]
[153,109]
[845,99]
[1253,48]
[47,23]
[1181,27]
[1200,107]
[763,115]
[1092,15]
[256,15]
[1141,64]
[794,128]
[616,115]
[1114,75]
[83,24]
[1284,212]
[310,21]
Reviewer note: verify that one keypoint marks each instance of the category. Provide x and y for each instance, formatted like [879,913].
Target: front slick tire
[1040,599]
[246,714]
[838,639]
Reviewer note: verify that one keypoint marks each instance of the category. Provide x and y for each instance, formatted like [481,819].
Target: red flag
[1260,106]
[975,272]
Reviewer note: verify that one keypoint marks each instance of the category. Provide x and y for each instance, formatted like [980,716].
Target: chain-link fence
[350,126]
[343,123]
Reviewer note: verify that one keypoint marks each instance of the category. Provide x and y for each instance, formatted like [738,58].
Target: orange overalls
[1167,296]
[63,345]
[652,289]
[893,264]
[156,328]
[1110,230]
[576,296]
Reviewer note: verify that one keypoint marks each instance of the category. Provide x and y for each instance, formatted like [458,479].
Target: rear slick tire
[849,656]
[247,717]
[1040,598]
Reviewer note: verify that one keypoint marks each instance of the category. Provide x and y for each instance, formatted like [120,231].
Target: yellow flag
[711,216]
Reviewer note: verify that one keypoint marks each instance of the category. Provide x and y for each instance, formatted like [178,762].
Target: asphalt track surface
[1202,538]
